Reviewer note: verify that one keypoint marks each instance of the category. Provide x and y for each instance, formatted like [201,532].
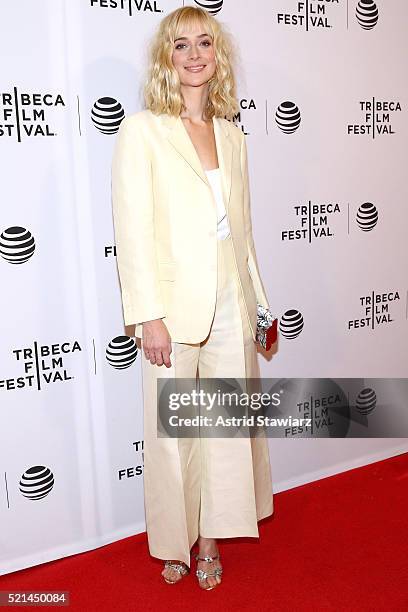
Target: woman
[190,283]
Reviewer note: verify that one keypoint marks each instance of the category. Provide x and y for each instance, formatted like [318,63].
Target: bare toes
[171,574]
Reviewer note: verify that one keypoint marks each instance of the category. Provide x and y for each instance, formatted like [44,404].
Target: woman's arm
[132,203]
[252,259]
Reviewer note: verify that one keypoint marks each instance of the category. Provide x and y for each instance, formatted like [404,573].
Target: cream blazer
[165,223]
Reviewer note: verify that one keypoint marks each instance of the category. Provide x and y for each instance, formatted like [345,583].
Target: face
[194,57]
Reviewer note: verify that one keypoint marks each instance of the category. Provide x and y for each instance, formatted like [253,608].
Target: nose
[194,53]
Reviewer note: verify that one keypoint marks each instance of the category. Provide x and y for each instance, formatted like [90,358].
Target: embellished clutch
[267,327]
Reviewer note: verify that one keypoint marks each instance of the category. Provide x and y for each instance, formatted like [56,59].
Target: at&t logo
[37,482]
[291,324]
[288,117]
[367,14]
[211,6]
[17,245]
[367,216]
[107,114]
[121,352]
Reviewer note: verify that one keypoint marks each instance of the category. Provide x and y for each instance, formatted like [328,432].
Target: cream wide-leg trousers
[213,487]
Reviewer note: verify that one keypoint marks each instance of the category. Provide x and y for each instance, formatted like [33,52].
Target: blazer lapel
[179,138]
[225,155]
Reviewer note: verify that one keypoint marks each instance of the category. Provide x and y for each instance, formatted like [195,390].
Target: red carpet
[338,544]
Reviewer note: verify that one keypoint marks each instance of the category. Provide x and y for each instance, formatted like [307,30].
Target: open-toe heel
[181,568]
[203,575]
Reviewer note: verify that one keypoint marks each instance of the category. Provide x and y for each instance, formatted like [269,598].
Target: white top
[214,178]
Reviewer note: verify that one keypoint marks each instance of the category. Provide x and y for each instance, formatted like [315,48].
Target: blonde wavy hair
[162,88]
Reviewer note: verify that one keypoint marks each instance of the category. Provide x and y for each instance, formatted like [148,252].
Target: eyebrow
[185,37]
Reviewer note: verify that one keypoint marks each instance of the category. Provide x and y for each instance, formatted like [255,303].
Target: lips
[197,68]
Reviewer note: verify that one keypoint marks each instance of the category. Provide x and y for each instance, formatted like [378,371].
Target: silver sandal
[181,568]
[202,575]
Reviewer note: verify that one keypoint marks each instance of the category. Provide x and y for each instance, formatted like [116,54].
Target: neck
[195,101]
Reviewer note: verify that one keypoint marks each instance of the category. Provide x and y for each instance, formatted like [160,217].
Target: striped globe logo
[36,482]
[287,117]
[367,14]
[367,217]
[291,324]
[121,352]
[211,6]
[17,245]
[106,115]
[366,401]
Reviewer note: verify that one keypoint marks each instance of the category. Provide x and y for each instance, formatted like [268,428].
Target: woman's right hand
[156,342]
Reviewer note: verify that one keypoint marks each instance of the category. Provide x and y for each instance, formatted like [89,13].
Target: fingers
[153,355]
[158,356]
[156,342]
[166,356]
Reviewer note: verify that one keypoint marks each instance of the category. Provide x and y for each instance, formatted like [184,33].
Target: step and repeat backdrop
[323,102]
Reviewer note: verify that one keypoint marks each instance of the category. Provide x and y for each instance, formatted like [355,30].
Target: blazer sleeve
[133,220]
[252,258]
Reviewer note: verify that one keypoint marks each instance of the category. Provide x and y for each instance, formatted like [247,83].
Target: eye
[206,42]
[179,45]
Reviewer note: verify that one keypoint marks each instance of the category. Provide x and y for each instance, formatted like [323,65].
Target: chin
[196,81]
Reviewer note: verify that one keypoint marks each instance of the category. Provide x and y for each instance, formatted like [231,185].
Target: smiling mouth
[195,68]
